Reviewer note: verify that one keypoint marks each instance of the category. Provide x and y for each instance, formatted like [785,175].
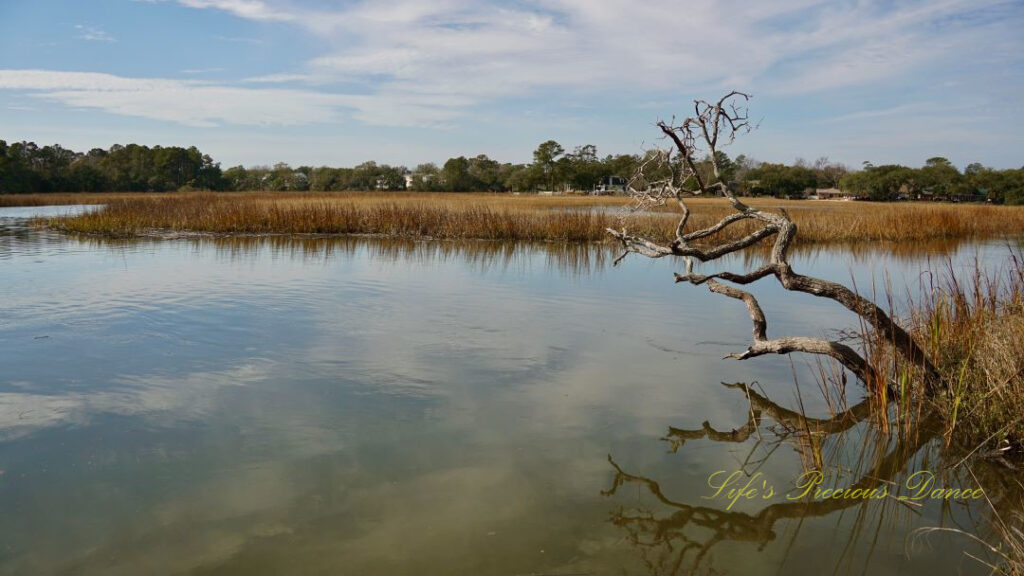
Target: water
[271,406]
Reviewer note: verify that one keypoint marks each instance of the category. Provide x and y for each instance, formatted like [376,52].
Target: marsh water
[358,406]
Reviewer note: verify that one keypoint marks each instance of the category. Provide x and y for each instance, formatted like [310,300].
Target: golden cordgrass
[69,198]
[511,217]
[973,328]
[970,325]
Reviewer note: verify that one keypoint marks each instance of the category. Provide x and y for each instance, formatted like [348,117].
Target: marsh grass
[1011,541]
[514,217]
[970,322]
[973,328]
[971,325]
[70,198]
[402,216]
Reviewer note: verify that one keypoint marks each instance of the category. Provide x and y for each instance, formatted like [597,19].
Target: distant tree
[426,177]
[879,182]
[973,168]
[16,176]
[939,176]
[391,178]
[85,177]
[582,169]
[726,166]
[827,173]
[364,176]
[455,175]
[485,174]
[326,179]
[545,159]
[780,180]
[237,178]
[622,165]
[520,177]
[998,186]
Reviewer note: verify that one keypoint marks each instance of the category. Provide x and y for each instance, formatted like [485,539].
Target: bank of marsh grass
[70,198]
[972,326]
[513,217]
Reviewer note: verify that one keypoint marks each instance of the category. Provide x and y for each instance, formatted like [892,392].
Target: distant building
[931,195]
[610,185]
[830,194]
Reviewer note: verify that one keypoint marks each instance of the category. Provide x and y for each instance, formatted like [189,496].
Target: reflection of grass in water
[511,217]
[973,328]
[572,258]
[564,258]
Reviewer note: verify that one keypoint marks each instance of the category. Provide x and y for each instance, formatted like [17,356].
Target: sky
[337,83]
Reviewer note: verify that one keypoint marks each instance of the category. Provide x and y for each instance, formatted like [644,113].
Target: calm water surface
[275,406]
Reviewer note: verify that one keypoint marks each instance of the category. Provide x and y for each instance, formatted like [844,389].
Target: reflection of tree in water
[680,541]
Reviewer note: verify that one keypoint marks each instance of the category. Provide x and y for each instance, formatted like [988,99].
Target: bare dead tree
[713,125]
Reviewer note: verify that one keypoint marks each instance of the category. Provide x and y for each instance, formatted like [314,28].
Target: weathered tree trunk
[725,118]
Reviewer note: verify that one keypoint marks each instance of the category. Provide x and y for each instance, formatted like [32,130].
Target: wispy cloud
[240,39]
[207,104]
[413,62]
[201,70]
[904,111]
[251,9]
[486,50]
[93,33]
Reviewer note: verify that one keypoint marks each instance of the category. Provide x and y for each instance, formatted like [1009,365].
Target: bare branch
[712,122]
[762,345]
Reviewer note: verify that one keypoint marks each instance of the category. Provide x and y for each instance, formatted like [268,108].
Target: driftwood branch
[711,123]
[762,345]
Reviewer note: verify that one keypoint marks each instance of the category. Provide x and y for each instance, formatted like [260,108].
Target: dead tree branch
[711,124]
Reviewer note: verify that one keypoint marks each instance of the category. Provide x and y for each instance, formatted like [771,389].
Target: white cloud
[93,33]
[240,40]
[250,9]
[201,70]
[205,104]
[485,50]
[428,63]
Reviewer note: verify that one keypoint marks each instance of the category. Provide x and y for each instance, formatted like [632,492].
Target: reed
[388,215]
[973,329]
[68,198]
[511,217]
[971,325]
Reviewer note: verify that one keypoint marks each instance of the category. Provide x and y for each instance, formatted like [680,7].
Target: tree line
[28,168]
[552,169]
[937,179]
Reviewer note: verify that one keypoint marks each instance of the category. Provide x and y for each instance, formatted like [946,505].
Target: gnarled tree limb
[728,117]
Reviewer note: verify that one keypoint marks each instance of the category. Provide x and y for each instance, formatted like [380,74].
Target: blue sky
[402,82]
